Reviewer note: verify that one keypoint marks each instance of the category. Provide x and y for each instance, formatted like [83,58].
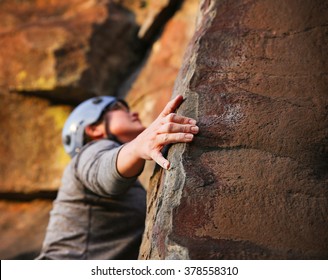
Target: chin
[140,127]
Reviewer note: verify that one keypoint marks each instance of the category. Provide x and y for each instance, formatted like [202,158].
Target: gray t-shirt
[98,214]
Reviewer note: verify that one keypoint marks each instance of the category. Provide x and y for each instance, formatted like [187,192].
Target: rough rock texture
[253,184]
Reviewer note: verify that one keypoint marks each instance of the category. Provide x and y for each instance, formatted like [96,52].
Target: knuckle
[170,127]
[187,137]
[171,117]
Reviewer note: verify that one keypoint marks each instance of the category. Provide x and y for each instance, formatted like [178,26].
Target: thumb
[160,160]
[172,105]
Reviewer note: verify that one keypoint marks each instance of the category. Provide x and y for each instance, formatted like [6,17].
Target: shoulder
[103,144]
[95,148]
[100,145]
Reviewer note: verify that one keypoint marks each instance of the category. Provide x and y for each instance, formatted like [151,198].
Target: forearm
[129,163]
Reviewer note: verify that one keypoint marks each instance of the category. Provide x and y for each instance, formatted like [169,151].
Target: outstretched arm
[168,128]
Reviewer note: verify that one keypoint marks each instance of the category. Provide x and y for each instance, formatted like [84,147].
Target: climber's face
[122,123]
[117,121]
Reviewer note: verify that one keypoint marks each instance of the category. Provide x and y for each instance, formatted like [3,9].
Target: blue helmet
[88,112]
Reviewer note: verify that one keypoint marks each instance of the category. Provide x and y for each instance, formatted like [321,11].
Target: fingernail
[192,122]
[189,136]
[194,129]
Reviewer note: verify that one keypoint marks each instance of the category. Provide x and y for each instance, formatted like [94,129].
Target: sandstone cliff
[253,184]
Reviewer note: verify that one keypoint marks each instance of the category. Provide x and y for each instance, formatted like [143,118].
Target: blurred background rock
[55,54]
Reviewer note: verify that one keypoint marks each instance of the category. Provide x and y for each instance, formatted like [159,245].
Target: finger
[159,159]
[172,117]
[172,105]
[171,138]
[175,128]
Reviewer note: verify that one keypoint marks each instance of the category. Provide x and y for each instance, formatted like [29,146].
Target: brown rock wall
[253,184]
[23,226]
[76,48]
[32,156]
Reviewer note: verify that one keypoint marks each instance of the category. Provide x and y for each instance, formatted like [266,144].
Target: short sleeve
[95,168]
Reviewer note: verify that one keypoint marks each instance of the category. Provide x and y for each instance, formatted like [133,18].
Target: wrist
[129,162]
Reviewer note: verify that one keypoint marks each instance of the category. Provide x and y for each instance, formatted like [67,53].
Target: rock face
[253,184]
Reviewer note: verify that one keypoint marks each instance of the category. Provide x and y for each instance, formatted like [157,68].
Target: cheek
[118,123]
[116,129]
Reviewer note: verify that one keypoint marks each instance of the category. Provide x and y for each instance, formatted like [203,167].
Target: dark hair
[87,138]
